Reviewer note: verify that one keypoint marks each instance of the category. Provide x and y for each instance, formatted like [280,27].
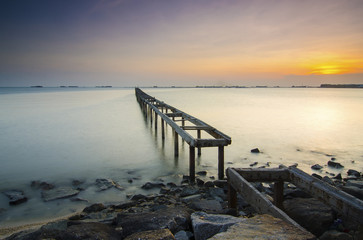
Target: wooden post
[279,194]
[156,121]
[183,122]
[220,162]
[199,136]
[151,115]
[176,144]
[192,164]
[232,197]
[162,129]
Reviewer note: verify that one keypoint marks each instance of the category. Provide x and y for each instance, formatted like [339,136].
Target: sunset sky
[180,42]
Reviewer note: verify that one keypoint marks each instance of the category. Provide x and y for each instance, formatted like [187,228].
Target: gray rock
[161,234]
[316,167]
[335,164]
[263,227]
[317,176]
[355,183]
[183,235]
[187,191]
[191,198]
[328,180]
[175,219]
[253,164]
[310,213]
[209,184]
[255,150]
[352,172]
[354,191]
[15,196]
[94,208]
[58,193]
[202,173]
[137,197]
[104,184]
[207,225]
[41,185]
[150,185]
[209,206]
[335,235]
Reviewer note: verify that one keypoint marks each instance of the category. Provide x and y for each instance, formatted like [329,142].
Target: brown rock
[162,234]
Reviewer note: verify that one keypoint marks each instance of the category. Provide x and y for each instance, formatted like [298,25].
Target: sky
[180,42]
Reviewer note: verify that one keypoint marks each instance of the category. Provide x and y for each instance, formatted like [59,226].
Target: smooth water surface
[60,135]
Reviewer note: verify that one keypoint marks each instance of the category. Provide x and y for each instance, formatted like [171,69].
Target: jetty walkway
[173,117]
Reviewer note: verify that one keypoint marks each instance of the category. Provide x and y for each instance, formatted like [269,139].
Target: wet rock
[263,227]
[15,196]
[352,172]
[104,184]
[150,185]
[58,193]
[183,235]
[175,219]
[162,234]
[78,199]
[328,180]
[137,197]
[94,208]
[209,184]
[338,177]
[333,159]
[253,164]
[355,183]
[255,150]
[187,191]
[202,173]
[335,235]
[191,198]
[200,182]
[207,225]
[171,184]
[317,176]
[354,191]
[76,183]
[335,164]
[221,183]
[316,167]
[41,185]
[296,193]
[209,206]
[310,213]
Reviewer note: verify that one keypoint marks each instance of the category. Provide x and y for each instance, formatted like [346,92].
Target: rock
[15,196]
[263,227]
[209,206]
[217,193]
[41,185]
[338,177]
[334,164]
[310,213]
[296,193]
[316,167]
[175,219]
[209,184]
[335,235]
[253,164]
[137,197]
[207,225]
[191,198]
[317,176]
[161,234]
[187,191]
[104,184]
[97,207]
[76,183]
[328,180]
[255,150]
[77,199]
[333,159]
[354,191]
[202,173]
[220,183]
[149,185]
[352,172]
[58,193]
[183,235]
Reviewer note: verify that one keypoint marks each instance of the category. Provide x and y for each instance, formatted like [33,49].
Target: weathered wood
[199,136]
[196,128]
[264,174]
[192,164]
[156,120]
[255,198]
[340,201]
[279,194]
[220,162]
[162,129]
[176,144]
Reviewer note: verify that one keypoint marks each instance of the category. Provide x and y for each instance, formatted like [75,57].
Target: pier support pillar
[199,135]
[192,164]
[176,144]
[220,162]
[279,194]
[156,120]
[162,129]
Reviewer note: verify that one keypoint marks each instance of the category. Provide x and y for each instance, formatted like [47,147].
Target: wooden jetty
[173,117]
[239,182]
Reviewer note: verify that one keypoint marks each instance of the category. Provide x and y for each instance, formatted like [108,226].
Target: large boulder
[175,219]
[263,227]
[310,213]
[207,225]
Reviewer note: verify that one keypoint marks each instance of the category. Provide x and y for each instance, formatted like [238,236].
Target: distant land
[341,85]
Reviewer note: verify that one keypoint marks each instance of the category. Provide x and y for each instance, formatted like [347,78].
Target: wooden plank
[196,128]
[260,203]
[340,201]
[210,142]
[264,174]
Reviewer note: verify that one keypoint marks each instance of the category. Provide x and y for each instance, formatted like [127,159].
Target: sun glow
[327,69]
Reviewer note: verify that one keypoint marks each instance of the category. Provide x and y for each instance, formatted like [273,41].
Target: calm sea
[59,135]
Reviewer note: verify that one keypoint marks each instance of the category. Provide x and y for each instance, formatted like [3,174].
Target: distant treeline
[341,85]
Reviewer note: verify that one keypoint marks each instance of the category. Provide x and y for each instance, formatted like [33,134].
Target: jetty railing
[173,117]
[239,181]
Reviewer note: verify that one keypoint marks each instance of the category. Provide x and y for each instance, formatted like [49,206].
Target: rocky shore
[200,211]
